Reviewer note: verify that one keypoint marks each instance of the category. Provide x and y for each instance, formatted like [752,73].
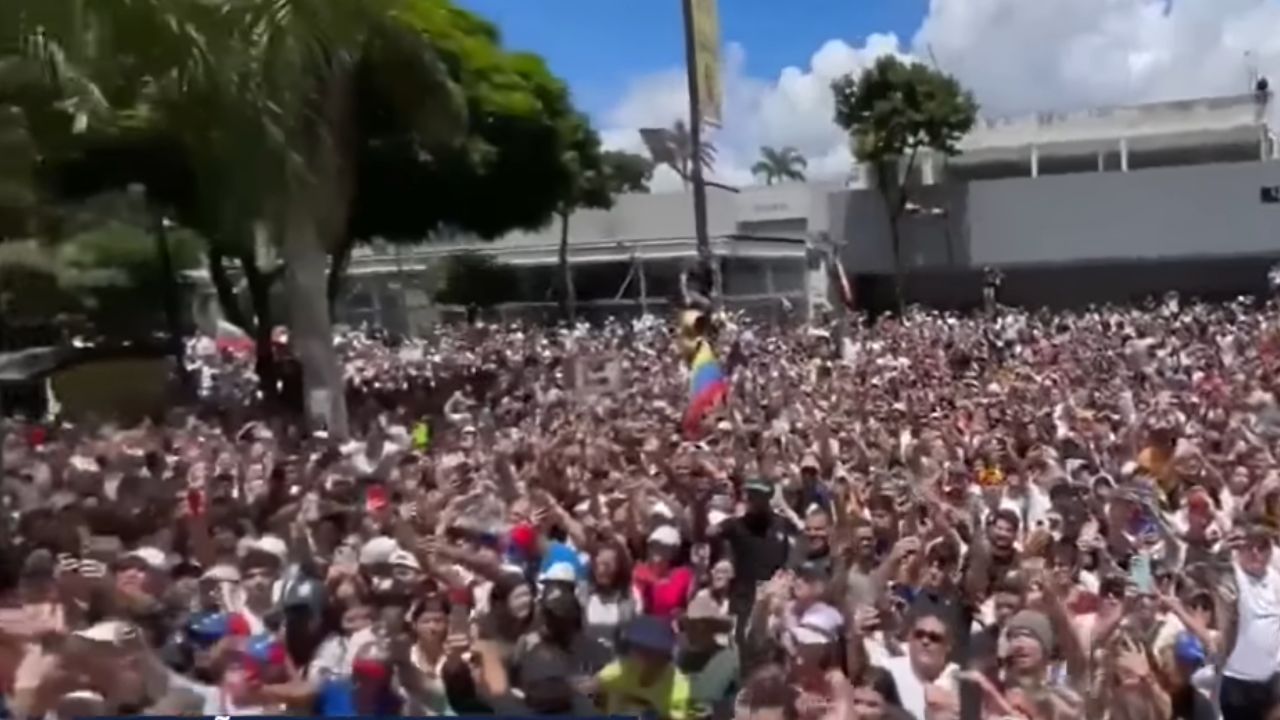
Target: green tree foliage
[472,279]
[892,111]
[17,174]
[107,275]
[309,122]
[627,172]
[780,165]
[673,147]
[508,173]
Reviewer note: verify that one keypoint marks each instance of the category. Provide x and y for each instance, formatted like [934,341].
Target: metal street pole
[709,278]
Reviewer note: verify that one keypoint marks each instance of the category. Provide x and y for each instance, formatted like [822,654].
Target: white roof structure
[1229,123]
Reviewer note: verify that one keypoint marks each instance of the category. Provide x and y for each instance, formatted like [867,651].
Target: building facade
[1107,204]
[1103,205]
[770,242]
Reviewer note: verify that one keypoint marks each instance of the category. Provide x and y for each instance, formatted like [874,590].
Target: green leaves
[521,157]
[784,164]
[627,172]
[894,108]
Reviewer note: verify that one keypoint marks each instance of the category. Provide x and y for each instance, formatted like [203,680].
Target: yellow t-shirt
[667,697]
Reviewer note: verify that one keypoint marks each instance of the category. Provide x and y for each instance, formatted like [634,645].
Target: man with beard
[758,543]
[813,547]
[993,554]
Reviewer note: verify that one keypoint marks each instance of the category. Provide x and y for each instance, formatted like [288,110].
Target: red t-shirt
[662,596]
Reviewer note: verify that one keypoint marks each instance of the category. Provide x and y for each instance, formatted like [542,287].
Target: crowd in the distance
[1035,516]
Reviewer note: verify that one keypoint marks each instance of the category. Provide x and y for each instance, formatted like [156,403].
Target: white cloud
[1016,55]
[1053,54]
[794,109]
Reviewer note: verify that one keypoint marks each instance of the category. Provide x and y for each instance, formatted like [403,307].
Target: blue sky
[624,59]
[599,46]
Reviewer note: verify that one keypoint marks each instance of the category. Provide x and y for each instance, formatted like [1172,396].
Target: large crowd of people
[1020,515]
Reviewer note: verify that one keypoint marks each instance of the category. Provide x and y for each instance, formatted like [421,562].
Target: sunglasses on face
[929,636]
[1112,593]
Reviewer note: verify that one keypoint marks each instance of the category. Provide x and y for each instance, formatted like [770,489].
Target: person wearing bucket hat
[645,680]
[713,668]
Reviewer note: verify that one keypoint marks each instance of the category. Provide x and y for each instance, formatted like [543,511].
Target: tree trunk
[338,263]
[888,182]
[228,300]
[899,277]
[314,220]
[310,327]
[568,299]
[264,357]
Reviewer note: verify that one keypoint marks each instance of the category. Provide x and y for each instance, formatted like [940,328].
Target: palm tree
[673,147]
[779,165]
[271,126]
[682,145]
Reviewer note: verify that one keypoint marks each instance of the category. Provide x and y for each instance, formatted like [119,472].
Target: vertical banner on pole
[706,58]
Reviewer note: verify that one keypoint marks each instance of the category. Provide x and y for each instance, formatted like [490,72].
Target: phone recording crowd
[1022,515]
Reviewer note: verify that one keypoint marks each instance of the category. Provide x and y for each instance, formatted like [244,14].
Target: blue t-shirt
[337,698]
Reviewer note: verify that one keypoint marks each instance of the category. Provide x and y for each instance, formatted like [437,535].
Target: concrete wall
[859,221]
[1199,211]
[1207,210]
[1070,240]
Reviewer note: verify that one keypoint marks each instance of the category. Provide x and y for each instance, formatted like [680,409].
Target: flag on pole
[708,386]
[846,290]
[706,59]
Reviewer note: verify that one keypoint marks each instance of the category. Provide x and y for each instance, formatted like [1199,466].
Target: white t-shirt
[1256,654]
[213,700]
[911,688]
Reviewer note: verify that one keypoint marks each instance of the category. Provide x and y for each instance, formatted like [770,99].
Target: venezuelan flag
[707,386]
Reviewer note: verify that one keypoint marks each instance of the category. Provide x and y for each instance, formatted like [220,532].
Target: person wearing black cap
[758,543]
[645,681]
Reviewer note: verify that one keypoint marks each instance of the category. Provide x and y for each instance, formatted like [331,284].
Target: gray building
[771,243]
[1112,204]
[1106,204]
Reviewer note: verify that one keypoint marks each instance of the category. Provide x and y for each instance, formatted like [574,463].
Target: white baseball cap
[665,535]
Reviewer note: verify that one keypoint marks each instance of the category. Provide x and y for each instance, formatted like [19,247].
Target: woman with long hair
[607,600]
[874,696]
[511,612]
